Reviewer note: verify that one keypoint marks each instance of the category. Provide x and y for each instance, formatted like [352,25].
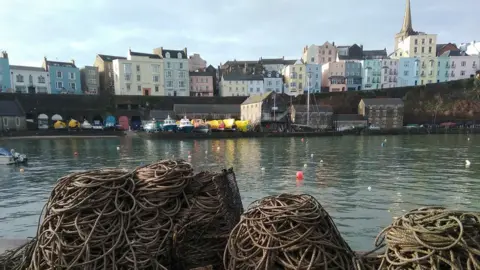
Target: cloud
[218,30]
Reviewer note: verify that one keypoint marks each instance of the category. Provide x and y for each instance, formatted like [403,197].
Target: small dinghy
[12,157]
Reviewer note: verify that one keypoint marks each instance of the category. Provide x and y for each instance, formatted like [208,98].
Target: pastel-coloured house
[64,77]
[389,76]
[372,73]
[295,78]
[353,75]
[5,83]
[314,75]
[408,71]
[201,83]
[428,70]
[196,62]
[333,76]
[443,68]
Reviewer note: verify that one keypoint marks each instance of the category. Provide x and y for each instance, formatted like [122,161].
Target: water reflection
[407,172]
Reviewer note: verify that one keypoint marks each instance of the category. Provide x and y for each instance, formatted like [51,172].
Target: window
[462,73]
[167,55]
[181,84]
[139,88]
[155,68]
[5,122]
[30,79]
[92,72]
[415,50]
[300,85]
[405,73]
[168,74]
[17,121]
[138,78]
[423,49]
[157,88]
[19,78]
[127,77]
[71,76]
[416,41]
[258,89]
[59,74]
[59,85]
[181,75]
[128,86]
[156,78]
[169,83]
[41,79]
[463,63]
[92,81]
[169,65]
[429,49]
[127,68]
[251,89]
[138,68]
[73,86]
[179,55]
[423,42]
[430,41]
[181,64]
[312,59]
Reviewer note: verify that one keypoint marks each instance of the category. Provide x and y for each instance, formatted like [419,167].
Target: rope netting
[116,219]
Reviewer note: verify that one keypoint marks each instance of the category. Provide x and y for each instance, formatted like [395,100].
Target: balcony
[447,65]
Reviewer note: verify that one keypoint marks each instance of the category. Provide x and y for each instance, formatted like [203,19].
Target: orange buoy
[299,175]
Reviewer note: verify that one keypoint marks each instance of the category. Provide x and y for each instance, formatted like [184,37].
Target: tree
[475,93]
[434,105]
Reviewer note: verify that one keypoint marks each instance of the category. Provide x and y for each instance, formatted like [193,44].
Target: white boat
[86,125]
[12,157]
[169,125]
[185,125]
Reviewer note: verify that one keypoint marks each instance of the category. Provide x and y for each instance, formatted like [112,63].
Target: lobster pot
[202,231]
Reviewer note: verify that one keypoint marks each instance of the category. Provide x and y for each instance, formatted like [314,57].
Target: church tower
[407,27]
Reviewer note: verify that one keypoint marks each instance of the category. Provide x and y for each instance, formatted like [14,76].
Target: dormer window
[167,55]
[269,74]
[179,55]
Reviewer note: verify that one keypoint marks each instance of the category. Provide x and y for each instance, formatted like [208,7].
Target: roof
[109,58]
[454,53]
[201,73]
[61,64]
[242,77]
[256,98]
[290,62]
[313,108]
[374,54]
[272,61]
[206,108]
[11,108]
[273,74]
[27,68]
[173,54]
[382,101]
[348,117]
[149,55]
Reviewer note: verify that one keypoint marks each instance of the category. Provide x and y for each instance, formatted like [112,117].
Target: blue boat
[185,125]
[110,122]
[12,157]
[169,125]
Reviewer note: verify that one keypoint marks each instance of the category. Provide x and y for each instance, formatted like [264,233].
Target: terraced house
[31,80]
[175,68]
[64,77]
[104,63]
[4,72]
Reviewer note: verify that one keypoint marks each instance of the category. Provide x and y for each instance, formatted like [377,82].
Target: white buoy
[263,168]
[385,140]
[305,165]
[468,139]
[311,155]
[321,160]
[206,152]
[189,157]
[118,147]
[467,163]
[369,188]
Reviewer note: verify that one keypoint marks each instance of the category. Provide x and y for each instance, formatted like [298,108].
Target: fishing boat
[86,125]
[169,125]
[185,125]
[229,124]
[200,126]
[12,157]
[151,126]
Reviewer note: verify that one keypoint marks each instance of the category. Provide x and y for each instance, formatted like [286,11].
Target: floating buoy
[369,188]
[385,140]
[468,139]
[311,155]
[263,169]
[22,170]
[206,152]
[218,147]
[321,160]
[75,153]
[299,175]
[189,156]
[302,140]
[383,144]
[467,163]
[305,165]
[118,147]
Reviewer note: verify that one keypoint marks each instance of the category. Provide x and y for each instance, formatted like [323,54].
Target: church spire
[407,28]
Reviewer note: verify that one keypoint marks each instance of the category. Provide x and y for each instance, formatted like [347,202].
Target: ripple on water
[408,172]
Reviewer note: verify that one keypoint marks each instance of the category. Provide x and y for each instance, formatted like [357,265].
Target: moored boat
[169,125]
[151,126]
[185,125]
[229,124]
[200,126]
[86,125]
[12,157]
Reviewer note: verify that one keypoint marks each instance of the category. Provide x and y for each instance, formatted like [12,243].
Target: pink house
[195,62]
[201,83]
[333,76]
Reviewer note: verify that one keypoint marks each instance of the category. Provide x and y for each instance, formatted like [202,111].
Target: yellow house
[428,70]
[234,85]
[295,78]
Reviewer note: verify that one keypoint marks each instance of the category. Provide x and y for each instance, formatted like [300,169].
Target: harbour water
[405,173]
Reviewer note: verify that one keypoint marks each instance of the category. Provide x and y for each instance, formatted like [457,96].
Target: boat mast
[308,99]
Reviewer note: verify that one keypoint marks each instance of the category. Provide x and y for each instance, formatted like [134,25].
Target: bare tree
[434,105]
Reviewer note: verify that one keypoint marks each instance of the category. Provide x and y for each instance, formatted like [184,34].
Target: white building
[234,84]
[472,48]
[141,74]
[462,66]
[255,85]
[272,81]
[389,73]
[30,80]
[177,82]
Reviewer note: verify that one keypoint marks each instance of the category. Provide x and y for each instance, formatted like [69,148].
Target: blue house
[372,73]
[315,73]
[353,75]
[64,77]
[5,82]
[408,71]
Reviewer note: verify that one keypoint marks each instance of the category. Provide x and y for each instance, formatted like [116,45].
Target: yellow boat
[242,125]
[214,124]
[229,123]
[73,124]
[59,125]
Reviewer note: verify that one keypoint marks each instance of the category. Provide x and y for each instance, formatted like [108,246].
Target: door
[31,89]
[146,91]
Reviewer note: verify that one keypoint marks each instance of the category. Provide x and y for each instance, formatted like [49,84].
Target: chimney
[73,61]
[283,57]
[4,54]
[185,50]
[333,44]
[361,47]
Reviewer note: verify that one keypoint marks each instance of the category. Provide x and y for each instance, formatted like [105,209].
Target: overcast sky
[220,30]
